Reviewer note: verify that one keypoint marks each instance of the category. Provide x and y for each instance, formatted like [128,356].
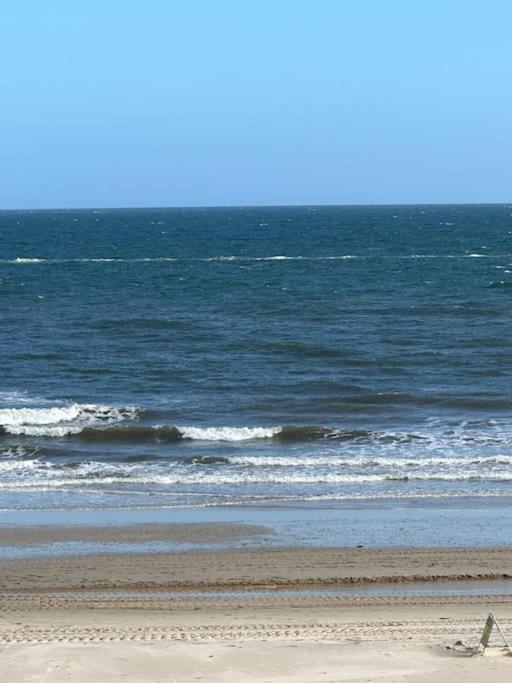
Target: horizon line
[249,206]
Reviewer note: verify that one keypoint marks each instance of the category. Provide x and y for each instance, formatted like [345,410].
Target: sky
[251,102]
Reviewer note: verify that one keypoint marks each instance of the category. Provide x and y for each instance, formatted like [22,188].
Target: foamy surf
[58,421]
[228,433]
[36,474]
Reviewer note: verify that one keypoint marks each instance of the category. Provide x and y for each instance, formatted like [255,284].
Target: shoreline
[481,524]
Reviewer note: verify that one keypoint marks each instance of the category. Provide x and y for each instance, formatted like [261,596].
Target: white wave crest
[413,463]
[228,433]
[281,257]
[37,475]
[61,420]
[243,258]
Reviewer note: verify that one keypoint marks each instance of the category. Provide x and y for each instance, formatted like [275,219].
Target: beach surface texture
[281,614]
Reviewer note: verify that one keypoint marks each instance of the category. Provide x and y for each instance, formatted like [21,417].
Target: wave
[228,433]
[366,462]
[392,398]
[173,434]
[417,464]
[58,421]
[136,434]
[283,434]
[207,460]
[99,423]
[342,257]
[244,258]
[501,284]
[163,259]
[20,398]
[34,475]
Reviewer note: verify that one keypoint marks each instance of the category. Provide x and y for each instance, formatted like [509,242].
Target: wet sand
[204,533]
[249,568]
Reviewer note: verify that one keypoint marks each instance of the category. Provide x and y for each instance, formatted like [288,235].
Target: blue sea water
[302,356]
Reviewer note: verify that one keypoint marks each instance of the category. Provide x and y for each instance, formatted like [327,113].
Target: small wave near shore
[120,455]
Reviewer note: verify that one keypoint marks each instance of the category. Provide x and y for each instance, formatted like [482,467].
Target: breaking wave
[97,423]
[58,421]
[34,473]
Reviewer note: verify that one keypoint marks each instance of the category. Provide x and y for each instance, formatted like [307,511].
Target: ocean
[228,357]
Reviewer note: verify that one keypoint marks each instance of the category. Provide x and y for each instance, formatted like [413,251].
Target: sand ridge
[250,568]
[29,603]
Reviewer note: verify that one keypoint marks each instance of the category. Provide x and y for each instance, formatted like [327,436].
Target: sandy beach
[374,644]
[240,568]
[254,614]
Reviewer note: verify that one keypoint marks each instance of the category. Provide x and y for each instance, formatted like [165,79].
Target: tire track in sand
[424,630]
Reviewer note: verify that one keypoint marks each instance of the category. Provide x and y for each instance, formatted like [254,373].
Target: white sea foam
[61,420]
[228,433]
[403,494]
[280,257]
[147,259]
[20,398]
[34,474]
[368,461]
[18,466]
[14,417]
[243,258]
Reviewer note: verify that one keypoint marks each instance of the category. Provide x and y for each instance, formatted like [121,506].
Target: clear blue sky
[206,102]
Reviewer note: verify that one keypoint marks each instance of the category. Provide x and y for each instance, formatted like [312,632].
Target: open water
[255,356]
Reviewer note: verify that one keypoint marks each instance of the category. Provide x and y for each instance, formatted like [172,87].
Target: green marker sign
[486,634]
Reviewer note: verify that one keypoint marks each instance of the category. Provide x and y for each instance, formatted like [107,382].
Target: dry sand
[387,643]
[75,619]
[284,662]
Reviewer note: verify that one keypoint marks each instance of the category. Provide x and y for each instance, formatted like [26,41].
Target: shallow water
[468,526]
[370,590]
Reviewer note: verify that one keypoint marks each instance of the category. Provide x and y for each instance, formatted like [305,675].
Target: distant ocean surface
[255,356]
